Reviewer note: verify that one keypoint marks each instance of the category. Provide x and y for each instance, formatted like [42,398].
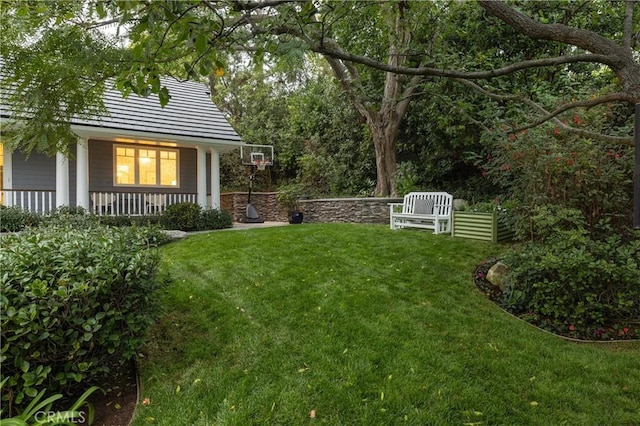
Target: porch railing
[32,200]
[135,203]
[100,203]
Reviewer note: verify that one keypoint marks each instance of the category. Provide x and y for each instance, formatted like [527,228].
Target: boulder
[176,235]
[497,275]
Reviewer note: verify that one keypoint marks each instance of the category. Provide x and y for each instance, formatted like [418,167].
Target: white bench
[428,210]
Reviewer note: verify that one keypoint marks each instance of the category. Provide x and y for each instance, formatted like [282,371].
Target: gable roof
[190,114]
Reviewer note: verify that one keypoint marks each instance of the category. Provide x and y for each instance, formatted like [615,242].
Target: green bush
[74,302]
[214,219]
[191,217]
[575,281]
[75,217]
[183,216]
[545,222]
[543,167]
[149,220]
[407,178]
[14,219]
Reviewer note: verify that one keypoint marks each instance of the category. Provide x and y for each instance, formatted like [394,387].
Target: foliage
[149,220]
[318,138]
[14,219]
[289,196]
[542,168]
[40,412]
[74,302]
[214,219]
[573,282]
[191,217]
[184,216]
[56,80]
[440,129]
[406,178]
[74,217]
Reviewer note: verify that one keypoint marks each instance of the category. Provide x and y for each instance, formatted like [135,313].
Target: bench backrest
[438,203]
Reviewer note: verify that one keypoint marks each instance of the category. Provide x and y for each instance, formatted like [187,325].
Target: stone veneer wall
[355,210]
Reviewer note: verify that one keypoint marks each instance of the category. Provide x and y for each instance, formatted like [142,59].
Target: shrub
[574,280]
[14,219]
[289,196]
[149,220]
[214,219]
[406,178]
[74,303]
[545,167]
[75,217]
[191,217]
[545,222]
[183,216]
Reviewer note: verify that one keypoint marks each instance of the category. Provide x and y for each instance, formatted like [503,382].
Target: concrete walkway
[241,225]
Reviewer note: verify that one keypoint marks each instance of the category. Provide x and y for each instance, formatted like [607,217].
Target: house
[136,160]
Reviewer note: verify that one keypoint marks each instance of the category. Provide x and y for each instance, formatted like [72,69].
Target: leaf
[201,43]
[100,10]
[163,96]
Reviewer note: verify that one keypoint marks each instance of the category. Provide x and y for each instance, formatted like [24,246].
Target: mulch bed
[612,333]
[117,405]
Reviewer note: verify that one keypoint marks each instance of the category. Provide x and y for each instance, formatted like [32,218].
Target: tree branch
[621,140]
[324,49]
[587,103]
[585,39]
[627,32]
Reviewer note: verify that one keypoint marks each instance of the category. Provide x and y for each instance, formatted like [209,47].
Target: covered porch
[90,177]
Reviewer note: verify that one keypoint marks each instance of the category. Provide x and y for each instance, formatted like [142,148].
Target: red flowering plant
[578,270]
[545,167]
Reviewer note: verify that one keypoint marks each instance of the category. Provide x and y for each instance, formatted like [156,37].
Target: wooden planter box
[480,226]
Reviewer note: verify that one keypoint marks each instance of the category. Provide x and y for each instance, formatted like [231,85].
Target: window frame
[136,163]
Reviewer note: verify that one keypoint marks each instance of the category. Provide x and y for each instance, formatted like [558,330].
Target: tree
[189,39]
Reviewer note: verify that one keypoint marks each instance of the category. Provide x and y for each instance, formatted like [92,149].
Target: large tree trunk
[384,134]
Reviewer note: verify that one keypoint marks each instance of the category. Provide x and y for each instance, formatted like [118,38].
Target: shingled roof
[190,113]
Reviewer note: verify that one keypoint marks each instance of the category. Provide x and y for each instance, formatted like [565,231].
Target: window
[143,166]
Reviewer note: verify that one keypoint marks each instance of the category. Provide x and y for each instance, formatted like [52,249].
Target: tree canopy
[536,62]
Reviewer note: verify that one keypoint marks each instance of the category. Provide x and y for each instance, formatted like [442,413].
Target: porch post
[62,180]
[82,174]
[7,175]
[202,176]
[215,179]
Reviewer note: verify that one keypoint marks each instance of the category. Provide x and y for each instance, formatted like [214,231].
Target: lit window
[142,166]
[125,166]
[168,168]
[147,161]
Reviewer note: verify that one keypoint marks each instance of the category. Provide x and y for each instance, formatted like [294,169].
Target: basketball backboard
[256,155]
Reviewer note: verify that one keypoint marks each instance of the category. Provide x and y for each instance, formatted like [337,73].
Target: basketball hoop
[261,164]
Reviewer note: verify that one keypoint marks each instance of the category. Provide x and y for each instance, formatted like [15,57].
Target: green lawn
[357,324]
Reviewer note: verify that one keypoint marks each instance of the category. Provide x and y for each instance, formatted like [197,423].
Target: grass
[345,324]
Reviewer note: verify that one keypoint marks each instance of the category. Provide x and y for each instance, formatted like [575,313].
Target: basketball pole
[251,213]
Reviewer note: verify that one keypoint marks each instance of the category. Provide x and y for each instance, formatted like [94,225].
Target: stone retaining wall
[353,210]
